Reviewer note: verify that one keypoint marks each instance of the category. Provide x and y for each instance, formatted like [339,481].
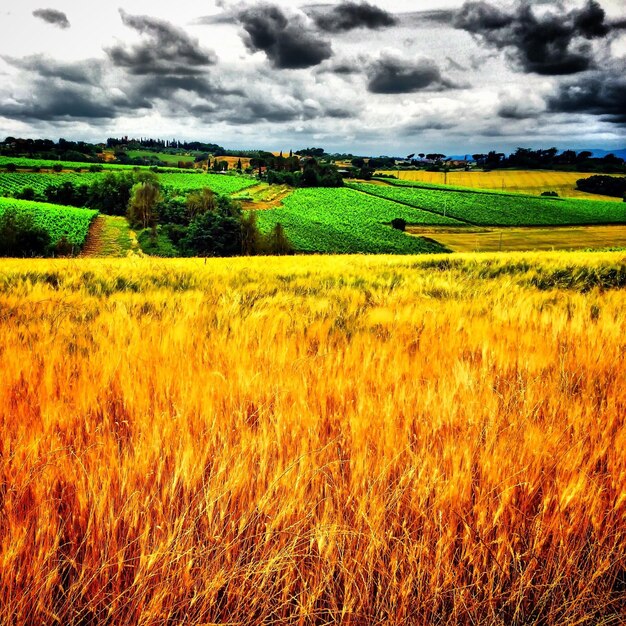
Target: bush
[64,247]
[57,167]
[550,194]
[399,224]
[19,237]
[276,242]
[10,167]
[95,167]
[157,243]
[604,185]
[213,234]
[27,193]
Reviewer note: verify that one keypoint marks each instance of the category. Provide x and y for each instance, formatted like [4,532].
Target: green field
[24,162]
[499,209]
[15,182]
[346,221]
[57,221]
[170,159]
[223,184]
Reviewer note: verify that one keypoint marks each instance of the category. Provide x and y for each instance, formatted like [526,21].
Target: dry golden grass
[512,239]
[514,181]
[335,440]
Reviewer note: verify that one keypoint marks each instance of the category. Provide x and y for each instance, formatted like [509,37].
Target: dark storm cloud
[87,72]
[167,50]
[549,43]
[286,40]
[350,15]
[52,102]
[520,108]
[420,126]
[427,19]
[52,16]
[601,93]
[393,75]
[284,110]
[164,87]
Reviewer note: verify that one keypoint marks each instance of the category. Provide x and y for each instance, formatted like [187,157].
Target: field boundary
[410,206]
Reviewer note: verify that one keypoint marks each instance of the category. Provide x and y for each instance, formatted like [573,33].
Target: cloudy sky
[379,77]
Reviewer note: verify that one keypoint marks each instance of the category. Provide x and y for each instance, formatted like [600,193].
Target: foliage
[157,243]
[59,222]
[398,223]
[213,233]
[276,242]
[20,237]
[145,196]
[110,193]
[251,239]
[200,201]
[603,185]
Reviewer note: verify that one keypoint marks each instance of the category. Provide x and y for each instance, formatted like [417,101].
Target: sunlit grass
[317,440]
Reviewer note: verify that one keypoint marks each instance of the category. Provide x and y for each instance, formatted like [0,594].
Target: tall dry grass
[350,440]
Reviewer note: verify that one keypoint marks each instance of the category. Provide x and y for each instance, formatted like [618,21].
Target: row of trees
[63,150]
[526,158]
[199,223]
[170,224]
[613,186]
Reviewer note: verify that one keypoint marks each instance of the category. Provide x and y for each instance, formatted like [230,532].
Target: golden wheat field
[514,181]
[314,440]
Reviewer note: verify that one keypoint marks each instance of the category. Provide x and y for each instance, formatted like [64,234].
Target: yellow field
[313,440]
[510,239]
[514,181]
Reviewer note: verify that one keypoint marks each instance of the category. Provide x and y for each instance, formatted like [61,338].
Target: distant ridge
[596,153]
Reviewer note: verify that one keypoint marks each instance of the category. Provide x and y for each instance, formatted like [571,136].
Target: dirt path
[264,197]
[109,236]
[94,240]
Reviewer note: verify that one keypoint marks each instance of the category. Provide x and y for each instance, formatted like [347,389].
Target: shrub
[399,224]
[10,167]
[213,234]
[57,167]
[276,242]
[550,194]
[27,193]
[64,247]
[19,237]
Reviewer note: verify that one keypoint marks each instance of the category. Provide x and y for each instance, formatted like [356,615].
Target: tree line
[169,223]
[526,158]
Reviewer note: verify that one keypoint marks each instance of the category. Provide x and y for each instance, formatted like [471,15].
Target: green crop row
[12,183]
[58,221]
[346,221]
[222,184]
[499,209]
[48,163]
